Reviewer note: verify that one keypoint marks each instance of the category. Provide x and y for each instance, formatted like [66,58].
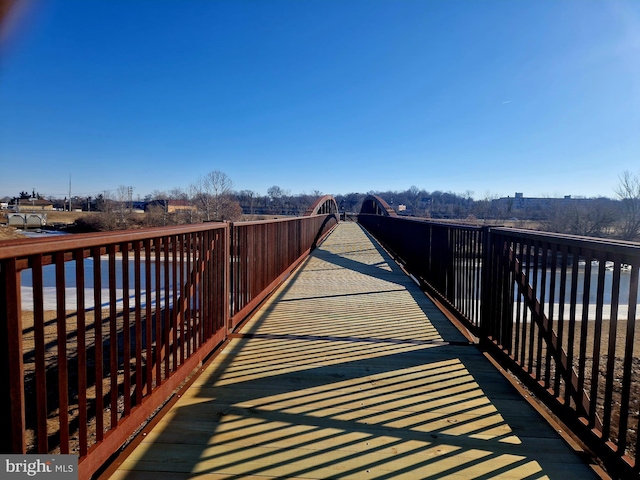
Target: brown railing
[264,253]
[560,311]
[98,330]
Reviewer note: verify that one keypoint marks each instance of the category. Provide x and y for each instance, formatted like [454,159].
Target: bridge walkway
[350,371]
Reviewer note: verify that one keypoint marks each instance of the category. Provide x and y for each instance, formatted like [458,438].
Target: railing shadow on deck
[559,311]
[351,398]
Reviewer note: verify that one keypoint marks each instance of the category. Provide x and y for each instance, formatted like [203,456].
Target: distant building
[171,206]
[38,205]
[520,203]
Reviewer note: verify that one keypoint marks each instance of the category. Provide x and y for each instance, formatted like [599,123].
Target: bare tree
[123,203]
[587,217]
[487,209]
[157,195]
[248,198]
[275,194]
[212,195]
[628,190]
[177,193]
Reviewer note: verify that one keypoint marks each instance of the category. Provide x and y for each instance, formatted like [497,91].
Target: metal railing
[560,311]
[98,330]
[264,253]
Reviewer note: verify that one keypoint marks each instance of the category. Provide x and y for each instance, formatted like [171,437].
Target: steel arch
[375,205]
[322,206]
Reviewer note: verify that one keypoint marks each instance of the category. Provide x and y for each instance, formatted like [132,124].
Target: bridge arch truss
[375,205]
[325,205]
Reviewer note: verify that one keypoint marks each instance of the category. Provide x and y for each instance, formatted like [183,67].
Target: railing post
[485,283]
[227,287]
[450,284]
[11,363]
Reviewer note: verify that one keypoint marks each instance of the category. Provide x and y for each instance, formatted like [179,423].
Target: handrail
[97,330]
[560,311]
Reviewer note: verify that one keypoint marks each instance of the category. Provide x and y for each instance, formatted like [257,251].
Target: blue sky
[493,97]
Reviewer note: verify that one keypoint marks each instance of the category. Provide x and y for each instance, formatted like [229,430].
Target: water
[42,233]
[608,293]
[71,294]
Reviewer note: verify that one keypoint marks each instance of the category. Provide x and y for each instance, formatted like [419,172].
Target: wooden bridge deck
[349,371]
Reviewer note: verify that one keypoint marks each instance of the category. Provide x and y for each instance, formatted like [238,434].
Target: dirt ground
[126,368]
[9,233]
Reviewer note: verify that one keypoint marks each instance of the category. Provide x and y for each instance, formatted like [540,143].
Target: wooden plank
[416,460]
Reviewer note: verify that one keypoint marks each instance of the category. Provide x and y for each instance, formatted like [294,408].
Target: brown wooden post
[11,363]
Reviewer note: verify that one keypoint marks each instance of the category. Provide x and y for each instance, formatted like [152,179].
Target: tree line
[212,198]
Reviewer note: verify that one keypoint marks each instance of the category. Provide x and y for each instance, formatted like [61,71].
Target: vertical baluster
[542,267]
[209,287]
[40,361]
[184,296]
[82,352]
[628,360]
[462,248]
[113,337]
[98,349]
[572,389]
[597,338]
[611,350]
[148,287]
[466,282]
[63,371]
[552,299]
[189,293]
[561,303]
[534,286]
[174,300]
[202,241]
[449,265]
[157,258]
[508,294]
[166,317]
[478,272]
[126,331]
[137,266]
[456,258]
[471,258]
[584,333]
[517,349]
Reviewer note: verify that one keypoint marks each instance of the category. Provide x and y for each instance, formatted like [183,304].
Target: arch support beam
[375,205]
[323,206]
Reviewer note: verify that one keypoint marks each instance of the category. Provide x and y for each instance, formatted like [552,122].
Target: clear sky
[540,97]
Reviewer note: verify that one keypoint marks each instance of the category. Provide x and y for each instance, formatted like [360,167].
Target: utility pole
[69,192]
